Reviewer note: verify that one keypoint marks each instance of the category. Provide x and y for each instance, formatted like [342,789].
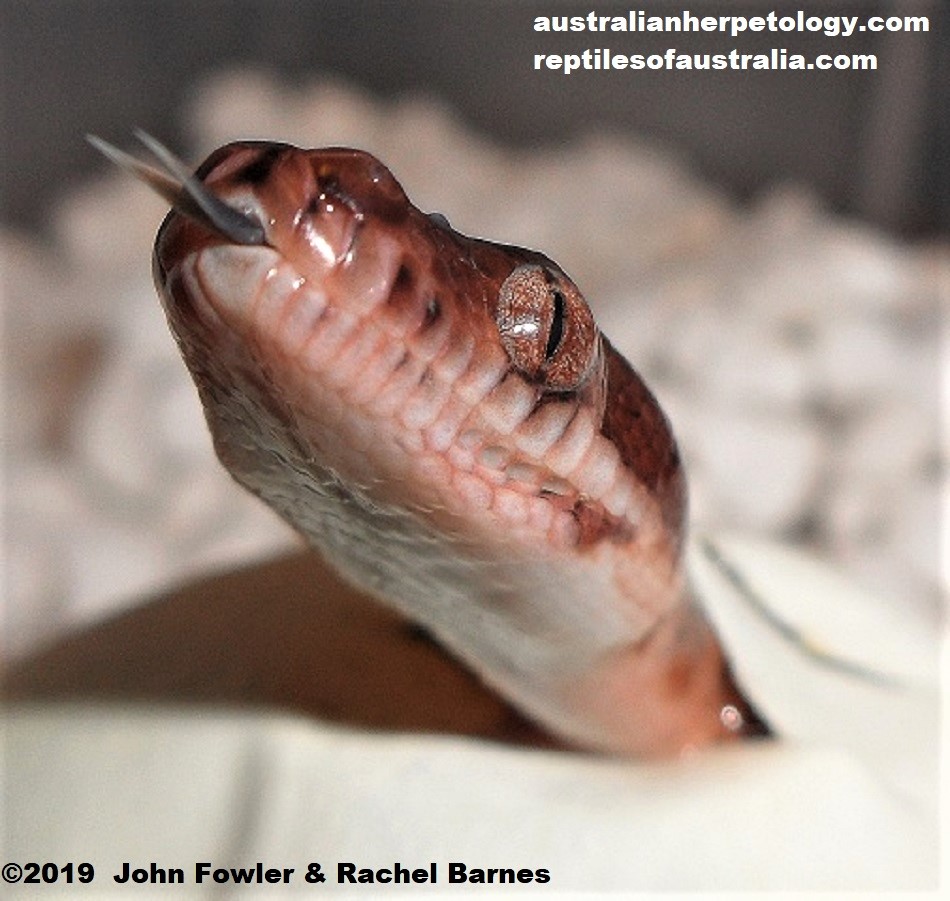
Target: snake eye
[546,328]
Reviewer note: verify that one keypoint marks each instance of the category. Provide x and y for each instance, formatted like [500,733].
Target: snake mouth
[185,192]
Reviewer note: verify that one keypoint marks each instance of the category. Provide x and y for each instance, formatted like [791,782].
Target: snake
[441,418]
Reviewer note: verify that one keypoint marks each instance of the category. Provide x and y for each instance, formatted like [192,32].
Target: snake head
[440,415]
[445,375]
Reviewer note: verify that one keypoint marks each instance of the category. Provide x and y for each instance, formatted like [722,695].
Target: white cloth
[180,787]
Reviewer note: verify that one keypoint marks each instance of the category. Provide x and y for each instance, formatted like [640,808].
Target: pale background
[766,247]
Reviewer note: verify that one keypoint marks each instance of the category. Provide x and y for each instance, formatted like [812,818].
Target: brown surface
[285,633]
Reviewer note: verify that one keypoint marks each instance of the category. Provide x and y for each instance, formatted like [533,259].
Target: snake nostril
[404,278]
[258,169]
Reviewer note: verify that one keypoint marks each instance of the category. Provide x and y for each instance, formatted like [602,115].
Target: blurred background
[872,144]
[769,248]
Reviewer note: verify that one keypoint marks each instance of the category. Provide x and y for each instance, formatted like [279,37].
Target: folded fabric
[202,790]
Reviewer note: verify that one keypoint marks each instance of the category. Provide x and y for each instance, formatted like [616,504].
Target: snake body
[440,416]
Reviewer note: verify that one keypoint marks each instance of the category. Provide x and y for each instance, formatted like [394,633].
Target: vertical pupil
[557,325]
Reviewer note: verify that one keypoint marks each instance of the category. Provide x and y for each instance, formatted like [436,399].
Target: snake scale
[440,416]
